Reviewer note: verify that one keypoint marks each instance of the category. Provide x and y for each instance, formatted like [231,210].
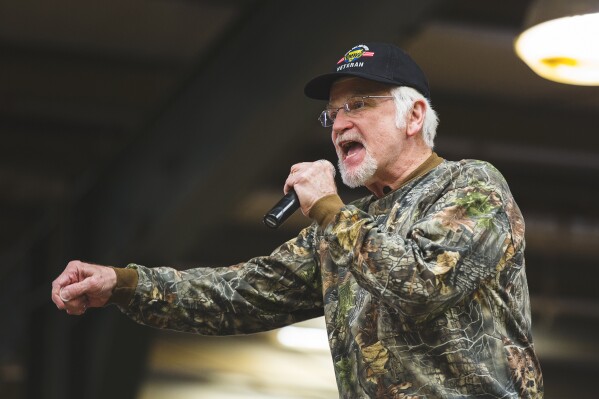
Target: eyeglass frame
[324,115]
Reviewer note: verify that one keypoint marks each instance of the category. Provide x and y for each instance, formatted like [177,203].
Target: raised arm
[261,294]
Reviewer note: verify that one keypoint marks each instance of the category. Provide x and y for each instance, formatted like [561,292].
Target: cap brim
[319,88]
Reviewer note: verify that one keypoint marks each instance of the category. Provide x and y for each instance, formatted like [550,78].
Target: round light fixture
[562,48]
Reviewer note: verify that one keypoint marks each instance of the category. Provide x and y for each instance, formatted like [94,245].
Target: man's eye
[355,105]
[332,113]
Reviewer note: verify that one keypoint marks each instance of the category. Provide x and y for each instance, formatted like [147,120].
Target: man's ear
[416,118]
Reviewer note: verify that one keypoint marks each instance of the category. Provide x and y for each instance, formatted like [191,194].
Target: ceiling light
[560,42]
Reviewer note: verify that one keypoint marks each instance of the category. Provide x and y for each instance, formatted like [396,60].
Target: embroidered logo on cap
[356,52]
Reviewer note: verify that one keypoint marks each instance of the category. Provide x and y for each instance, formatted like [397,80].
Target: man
[422,283]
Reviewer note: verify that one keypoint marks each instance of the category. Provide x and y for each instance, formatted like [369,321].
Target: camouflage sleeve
[261,294]
[460,240]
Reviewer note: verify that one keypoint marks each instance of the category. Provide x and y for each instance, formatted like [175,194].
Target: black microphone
[282,210]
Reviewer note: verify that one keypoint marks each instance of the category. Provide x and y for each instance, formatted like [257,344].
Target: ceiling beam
[242,110]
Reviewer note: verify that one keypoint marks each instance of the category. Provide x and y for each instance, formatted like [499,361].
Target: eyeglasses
[352,107]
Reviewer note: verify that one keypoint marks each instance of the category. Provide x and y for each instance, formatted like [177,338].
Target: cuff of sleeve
[126,283]
[325,209]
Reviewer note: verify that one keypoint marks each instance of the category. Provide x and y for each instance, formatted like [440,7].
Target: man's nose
[342,122]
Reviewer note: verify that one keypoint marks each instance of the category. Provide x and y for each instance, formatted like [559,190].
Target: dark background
[159,132]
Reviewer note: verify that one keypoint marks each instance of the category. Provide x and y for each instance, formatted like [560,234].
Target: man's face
[367,141]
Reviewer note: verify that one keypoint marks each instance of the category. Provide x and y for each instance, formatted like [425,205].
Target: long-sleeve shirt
[424,290]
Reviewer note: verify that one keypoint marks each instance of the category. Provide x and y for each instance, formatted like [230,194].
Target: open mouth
[350,148]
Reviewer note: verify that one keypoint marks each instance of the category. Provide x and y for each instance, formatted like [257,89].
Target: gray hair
[404,98]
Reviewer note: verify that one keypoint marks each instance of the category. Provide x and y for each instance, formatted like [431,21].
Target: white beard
[361,175]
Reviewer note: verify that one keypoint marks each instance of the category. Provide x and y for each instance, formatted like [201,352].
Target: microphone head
[282,210]
[271,221]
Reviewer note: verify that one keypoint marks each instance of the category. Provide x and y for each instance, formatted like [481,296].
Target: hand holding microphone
[307,183]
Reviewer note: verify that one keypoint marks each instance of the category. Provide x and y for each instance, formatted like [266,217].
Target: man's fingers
[73,291]
[328,165]
[61,281]
[289,183]
[57,286]
[71,274]
[63,299]
[76,306]
[81,285]
[293,177]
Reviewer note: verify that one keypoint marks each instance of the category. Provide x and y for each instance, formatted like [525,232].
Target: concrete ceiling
[160,132]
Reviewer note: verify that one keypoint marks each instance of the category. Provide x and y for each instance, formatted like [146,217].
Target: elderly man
[422,283]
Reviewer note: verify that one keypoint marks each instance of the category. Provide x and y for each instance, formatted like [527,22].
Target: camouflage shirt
[424,291]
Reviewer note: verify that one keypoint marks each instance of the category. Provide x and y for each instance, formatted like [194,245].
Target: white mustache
[350,136]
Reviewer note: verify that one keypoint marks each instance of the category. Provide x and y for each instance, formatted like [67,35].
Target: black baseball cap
[380,62]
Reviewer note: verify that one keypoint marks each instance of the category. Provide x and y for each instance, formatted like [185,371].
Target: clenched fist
[82,285]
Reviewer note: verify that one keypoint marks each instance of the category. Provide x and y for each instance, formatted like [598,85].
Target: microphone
[282,210]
